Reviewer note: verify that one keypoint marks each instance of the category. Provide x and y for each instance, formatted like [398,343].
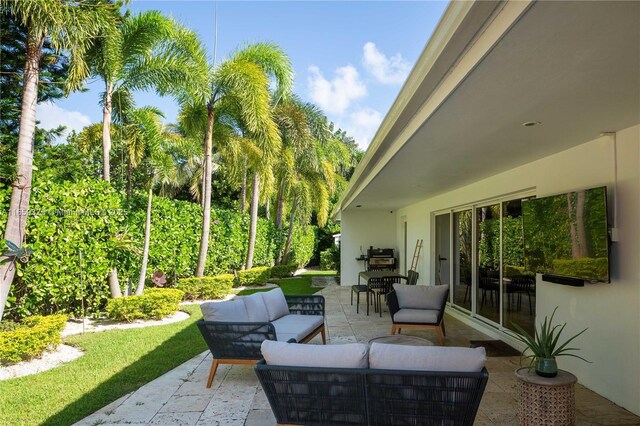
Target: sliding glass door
[479,253]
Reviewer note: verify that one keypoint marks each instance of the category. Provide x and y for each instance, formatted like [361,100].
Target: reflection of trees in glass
[569,226]
[489,239]
[464,238]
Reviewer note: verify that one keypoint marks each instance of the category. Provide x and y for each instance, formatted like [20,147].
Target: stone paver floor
[180,397]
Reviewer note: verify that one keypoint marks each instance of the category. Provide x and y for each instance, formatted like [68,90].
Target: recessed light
[359,205]
[531,123]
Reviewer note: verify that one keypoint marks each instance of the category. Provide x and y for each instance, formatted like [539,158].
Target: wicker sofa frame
[363,396]
[239,342]
[438,326]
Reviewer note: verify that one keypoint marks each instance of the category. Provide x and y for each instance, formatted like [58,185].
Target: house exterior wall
[611,312]
[365,228]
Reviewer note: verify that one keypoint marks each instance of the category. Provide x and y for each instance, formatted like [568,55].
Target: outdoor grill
[381,258]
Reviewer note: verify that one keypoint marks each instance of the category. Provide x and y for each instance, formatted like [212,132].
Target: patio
[180,397]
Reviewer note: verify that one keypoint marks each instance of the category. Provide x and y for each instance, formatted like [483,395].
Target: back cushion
[275,303]
[350,355]
[255,308]
[426,358]
[420,296]
[229,311]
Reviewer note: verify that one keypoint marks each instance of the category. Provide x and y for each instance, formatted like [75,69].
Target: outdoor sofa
[385,384]
[235,329]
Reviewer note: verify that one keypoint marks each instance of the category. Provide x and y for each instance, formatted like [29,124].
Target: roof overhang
[488,68]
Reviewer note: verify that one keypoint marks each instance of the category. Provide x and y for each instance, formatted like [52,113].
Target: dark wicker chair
[344,396]
[438,325]
[239,343]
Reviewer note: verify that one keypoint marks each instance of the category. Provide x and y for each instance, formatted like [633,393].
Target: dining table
[375,279]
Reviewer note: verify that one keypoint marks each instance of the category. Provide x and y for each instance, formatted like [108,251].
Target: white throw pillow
[426,358]
[276,303]
[229,311]
[350,355]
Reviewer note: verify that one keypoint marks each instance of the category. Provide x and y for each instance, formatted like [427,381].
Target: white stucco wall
[365,228]
[610,311]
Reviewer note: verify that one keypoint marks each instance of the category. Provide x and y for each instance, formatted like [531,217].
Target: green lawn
[115,362]
[300,284]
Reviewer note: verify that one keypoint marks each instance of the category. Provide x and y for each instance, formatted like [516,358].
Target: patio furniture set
[356,384]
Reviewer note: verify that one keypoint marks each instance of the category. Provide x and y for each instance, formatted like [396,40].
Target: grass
[300,284]
[115,363]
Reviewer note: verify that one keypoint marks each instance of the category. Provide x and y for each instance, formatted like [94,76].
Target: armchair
[418,307]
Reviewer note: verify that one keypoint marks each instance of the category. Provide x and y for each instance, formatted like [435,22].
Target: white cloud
[51,116]
[336,95]
[362,125]
[393,70]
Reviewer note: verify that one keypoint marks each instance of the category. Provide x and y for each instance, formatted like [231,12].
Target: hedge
[92,216]
[254,276]
[215,287]
[31,338]
[155,303]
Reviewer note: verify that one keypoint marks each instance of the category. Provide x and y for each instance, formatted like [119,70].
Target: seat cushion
[296,326]
[420,316]
[256,308]
[276,303]
[350,355]
[426,358]
[420,296]
[228,311]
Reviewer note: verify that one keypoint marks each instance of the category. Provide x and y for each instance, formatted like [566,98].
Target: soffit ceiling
[574,66]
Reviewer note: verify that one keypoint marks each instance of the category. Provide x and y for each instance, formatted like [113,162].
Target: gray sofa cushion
[256,308]
[421,297]
[296,326]
[420,316]
[350,355]
[275,303]
[229,311]
[426,358]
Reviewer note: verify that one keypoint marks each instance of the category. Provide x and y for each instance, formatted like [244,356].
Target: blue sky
[350,58]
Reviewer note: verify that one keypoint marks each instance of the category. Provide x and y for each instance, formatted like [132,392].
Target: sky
[350,58]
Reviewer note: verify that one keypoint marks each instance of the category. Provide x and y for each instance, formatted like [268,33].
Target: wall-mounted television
[566,236]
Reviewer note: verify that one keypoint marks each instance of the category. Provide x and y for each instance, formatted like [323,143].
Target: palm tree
[45,19]
[146,51]
[243,81]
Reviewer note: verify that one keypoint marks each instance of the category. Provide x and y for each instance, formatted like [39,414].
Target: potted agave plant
[545,346]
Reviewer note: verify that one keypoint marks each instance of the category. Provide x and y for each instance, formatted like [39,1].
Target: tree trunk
[292,218]
[106,133]
[243,190]
[255,198]
[575,245]
[129,173]
[580,229]
[267,209]
[206,210]
[279,213]
[203,180]
[21,193]
[114,284]
[145,251]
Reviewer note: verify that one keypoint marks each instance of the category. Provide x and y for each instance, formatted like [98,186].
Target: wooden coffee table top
[402,340]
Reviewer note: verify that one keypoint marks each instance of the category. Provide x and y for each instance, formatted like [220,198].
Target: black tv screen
[567,235]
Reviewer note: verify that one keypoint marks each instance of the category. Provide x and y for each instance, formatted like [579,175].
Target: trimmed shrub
[215,287]
[283,271]
[330,259]
[302,245]
[254,276]
[31,338]
[155,303]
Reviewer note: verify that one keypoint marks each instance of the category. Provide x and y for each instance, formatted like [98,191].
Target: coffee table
[402,340]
